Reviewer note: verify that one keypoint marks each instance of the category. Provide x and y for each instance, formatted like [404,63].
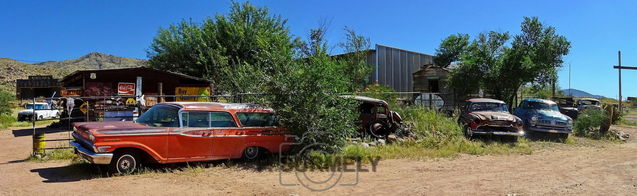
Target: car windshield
[37,106]
[588,102]
[496,107]
[160,116]
[535,105]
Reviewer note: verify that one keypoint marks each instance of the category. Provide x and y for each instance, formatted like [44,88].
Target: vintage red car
[182,132]
[484,116]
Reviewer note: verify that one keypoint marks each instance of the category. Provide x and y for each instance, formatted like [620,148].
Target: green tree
[500,69]
[221,45]
[251,51]
[450,49]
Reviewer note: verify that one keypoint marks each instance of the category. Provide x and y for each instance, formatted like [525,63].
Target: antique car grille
[560,123]
[544,122]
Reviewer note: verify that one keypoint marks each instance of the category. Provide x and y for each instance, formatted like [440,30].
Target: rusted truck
[181,132]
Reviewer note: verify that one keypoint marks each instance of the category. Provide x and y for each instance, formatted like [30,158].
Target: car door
[227,137]
[191,141]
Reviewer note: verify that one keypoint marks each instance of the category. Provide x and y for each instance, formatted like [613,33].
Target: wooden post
[160,87]
[619,59]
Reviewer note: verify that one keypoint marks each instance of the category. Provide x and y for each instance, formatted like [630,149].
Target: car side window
[253,119]
[380,110]
[207,119]
[221,119]
[198,119]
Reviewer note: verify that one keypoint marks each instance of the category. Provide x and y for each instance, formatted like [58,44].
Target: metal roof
[134,69]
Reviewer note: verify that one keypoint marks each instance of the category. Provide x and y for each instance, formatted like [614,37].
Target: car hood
[550,114]
[115,127]
[491,115]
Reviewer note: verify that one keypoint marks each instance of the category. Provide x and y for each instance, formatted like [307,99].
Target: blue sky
[34,31]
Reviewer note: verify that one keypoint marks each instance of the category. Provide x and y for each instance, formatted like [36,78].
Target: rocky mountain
[580,93]
[11,70]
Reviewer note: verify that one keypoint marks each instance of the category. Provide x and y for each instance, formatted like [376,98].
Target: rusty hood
[494,116]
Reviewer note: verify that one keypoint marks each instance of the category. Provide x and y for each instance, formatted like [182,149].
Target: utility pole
[620,67]
[570,94]
[619,64]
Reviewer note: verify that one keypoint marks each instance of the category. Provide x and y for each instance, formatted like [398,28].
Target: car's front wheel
[467,132]
[124,163]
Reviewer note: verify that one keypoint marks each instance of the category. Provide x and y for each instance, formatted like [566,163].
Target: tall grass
[436,136]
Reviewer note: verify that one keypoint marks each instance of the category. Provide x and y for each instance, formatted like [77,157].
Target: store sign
[125,88]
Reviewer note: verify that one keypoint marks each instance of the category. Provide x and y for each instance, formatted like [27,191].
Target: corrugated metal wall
[394,67]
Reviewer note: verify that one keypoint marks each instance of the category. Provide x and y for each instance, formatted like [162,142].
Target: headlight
[91,137]
[570,121]
[103,148]
[534,118]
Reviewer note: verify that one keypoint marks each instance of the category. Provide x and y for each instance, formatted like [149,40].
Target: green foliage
[6,100]
[433,128]
[588,122]
[248,35]
[306,99]
[450,49]
[6,121]
[356,48]
[250,51]
[381,92]
[489,63]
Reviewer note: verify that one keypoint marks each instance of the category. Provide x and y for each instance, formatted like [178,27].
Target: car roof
[218,106]
[364,99]
[485,100]
[539,100]
[38,103]
[589,99]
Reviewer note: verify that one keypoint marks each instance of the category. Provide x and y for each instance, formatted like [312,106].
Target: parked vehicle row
[197,131]
[484,116]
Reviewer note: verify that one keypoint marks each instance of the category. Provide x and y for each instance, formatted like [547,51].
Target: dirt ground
[595,169]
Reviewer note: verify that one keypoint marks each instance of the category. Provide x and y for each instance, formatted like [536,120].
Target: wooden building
[129,82]
[37,86]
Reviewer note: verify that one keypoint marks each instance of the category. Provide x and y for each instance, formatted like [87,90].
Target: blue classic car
[540,115]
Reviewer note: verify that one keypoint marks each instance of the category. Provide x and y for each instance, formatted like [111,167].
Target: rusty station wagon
[181,132]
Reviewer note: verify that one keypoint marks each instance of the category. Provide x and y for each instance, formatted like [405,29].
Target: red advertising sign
[125,88]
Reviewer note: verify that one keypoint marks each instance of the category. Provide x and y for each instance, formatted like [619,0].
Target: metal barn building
[394,67]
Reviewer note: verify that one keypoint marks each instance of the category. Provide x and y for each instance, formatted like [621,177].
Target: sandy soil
[596,169]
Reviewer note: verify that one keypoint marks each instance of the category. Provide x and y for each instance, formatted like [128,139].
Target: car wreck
[567,106]
[588,103]
[483,116]
[376,119]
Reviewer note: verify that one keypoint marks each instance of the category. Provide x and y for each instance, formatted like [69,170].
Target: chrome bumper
[535,129]
[95,158]
[478,132]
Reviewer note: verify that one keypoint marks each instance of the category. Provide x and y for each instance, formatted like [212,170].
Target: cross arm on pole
[625,67]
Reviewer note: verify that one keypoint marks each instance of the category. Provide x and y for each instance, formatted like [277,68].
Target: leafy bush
[380,92]
[6,120]
[433,128]
[588,122]
[5,102]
